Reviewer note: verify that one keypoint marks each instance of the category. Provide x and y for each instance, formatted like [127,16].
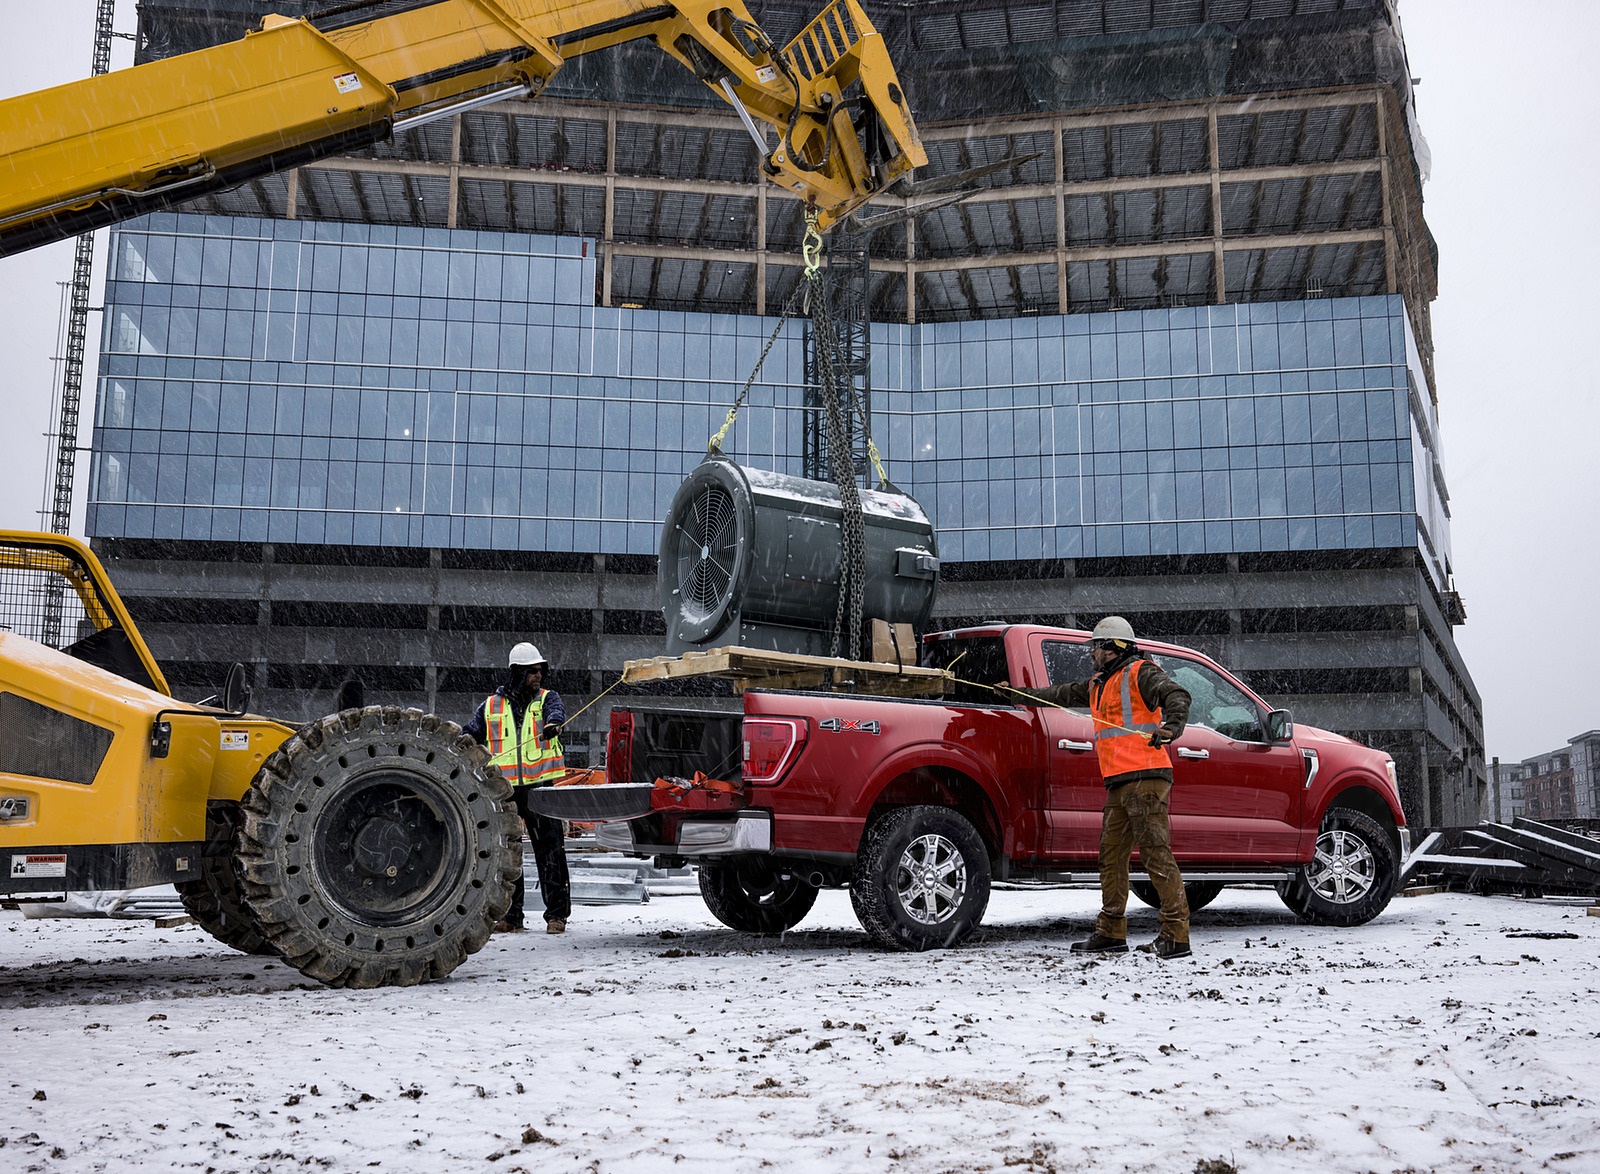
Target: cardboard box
[893,643]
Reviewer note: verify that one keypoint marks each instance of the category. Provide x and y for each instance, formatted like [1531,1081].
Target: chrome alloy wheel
[1344,869]
[931,880]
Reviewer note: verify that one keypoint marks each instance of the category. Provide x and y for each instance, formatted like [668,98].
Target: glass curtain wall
[319,382]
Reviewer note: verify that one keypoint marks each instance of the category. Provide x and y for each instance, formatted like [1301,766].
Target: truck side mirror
[236,691]
[1280,728]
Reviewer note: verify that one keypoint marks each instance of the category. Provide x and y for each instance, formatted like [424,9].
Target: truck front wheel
[378,848]
[1352,876]
[755,896]
[921,878]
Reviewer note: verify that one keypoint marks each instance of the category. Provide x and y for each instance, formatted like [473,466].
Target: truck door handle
[1069,744]
[1183,753]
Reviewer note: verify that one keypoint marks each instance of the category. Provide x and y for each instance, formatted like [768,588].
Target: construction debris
[1524,857]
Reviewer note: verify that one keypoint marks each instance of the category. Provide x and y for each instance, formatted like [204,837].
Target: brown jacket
[1158,690]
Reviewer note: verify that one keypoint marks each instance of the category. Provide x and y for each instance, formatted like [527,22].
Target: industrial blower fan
[755,559]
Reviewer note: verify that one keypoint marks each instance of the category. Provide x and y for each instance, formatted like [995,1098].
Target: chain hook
[811,249]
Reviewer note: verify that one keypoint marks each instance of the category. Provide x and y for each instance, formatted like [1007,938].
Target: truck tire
[1353,875]
[214,899]
[379,848]
[755,896]
[1199,893]
[921,879]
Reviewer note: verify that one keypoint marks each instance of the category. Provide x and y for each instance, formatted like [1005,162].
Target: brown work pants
[1136,815]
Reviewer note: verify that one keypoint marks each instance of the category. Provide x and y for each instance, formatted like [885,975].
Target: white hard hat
[527,654]
[1113,628]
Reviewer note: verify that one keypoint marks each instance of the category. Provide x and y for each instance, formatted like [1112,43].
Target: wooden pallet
[753,668]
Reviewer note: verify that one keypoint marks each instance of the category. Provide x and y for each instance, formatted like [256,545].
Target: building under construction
[385,415]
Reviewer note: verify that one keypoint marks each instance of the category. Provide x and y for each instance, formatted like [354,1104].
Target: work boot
[1165,948]
[556,925]
[504,926]
[1099,944]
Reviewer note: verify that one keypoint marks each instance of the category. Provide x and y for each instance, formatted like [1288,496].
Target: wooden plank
[760,668]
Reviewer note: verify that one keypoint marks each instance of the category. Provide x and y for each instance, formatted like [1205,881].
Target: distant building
[385,415]
[1586,773]
[1505,792]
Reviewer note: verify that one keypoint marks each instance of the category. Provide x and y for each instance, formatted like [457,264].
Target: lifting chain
[811,250]
[848,618]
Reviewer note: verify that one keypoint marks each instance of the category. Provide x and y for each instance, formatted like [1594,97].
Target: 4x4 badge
[849,725]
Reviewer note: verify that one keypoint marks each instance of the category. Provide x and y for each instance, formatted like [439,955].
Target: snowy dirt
[651,1038]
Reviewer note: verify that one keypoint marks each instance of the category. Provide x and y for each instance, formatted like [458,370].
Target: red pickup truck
[916,806]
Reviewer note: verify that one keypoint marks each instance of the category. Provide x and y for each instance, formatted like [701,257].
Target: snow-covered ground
[1438,1038]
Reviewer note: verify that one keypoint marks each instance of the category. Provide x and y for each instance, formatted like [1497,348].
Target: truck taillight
[619,747]
[771,744]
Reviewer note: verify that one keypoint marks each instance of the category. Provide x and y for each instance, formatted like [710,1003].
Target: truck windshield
[979,661]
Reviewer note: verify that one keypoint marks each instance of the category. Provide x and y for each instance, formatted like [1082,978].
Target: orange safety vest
[1123,724]
[524,758]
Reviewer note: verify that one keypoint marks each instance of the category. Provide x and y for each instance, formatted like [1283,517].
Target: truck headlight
[1394,778]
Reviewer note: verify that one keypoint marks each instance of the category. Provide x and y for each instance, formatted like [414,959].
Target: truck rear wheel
[378,848]
[921,878]
[1198,893]
[755,896]
[214,898]
[1352,876]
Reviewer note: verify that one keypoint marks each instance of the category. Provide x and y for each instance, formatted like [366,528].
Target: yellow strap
[722,433]
[877,462]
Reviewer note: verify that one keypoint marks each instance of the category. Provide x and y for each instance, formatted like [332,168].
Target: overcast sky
[1507,103]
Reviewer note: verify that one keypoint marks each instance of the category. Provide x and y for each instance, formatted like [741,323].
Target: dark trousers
[1136,816]
[550,857]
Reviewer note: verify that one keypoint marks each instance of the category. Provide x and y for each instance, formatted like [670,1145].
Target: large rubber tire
[921,879]
[1199,893]
[215,899]
[379,848]
[1353,875]
[756,896]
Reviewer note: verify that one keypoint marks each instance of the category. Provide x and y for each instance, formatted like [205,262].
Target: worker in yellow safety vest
[1137,711]
[520,725]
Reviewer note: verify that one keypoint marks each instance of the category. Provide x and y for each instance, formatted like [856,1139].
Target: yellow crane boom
[97,151]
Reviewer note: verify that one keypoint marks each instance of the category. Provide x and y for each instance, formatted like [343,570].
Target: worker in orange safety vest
[1137,711]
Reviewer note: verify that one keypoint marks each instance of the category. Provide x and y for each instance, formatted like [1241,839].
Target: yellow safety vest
[524,758]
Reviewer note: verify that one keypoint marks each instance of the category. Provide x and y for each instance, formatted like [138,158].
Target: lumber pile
[754,668]
[1525,857]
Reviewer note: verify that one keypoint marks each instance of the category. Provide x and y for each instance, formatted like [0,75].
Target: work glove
[1002,690]
[1160,738]
[552,730]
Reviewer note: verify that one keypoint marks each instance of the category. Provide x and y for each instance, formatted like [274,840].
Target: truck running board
[1261,876]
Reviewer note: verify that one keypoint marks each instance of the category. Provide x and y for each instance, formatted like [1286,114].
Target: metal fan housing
[753,558]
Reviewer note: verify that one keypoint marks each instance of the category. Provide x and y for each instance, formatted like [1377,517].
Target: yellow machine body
[93,152]
[104,778]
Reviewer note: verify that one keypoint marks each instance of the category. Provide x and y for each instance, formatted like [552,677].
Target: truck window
[1216,702]
[1067,661]
[980,660]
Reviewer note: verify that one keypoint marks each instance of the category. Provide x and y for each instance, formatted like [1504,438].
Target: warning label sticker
[236,739]
[31,867]
[346,82]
